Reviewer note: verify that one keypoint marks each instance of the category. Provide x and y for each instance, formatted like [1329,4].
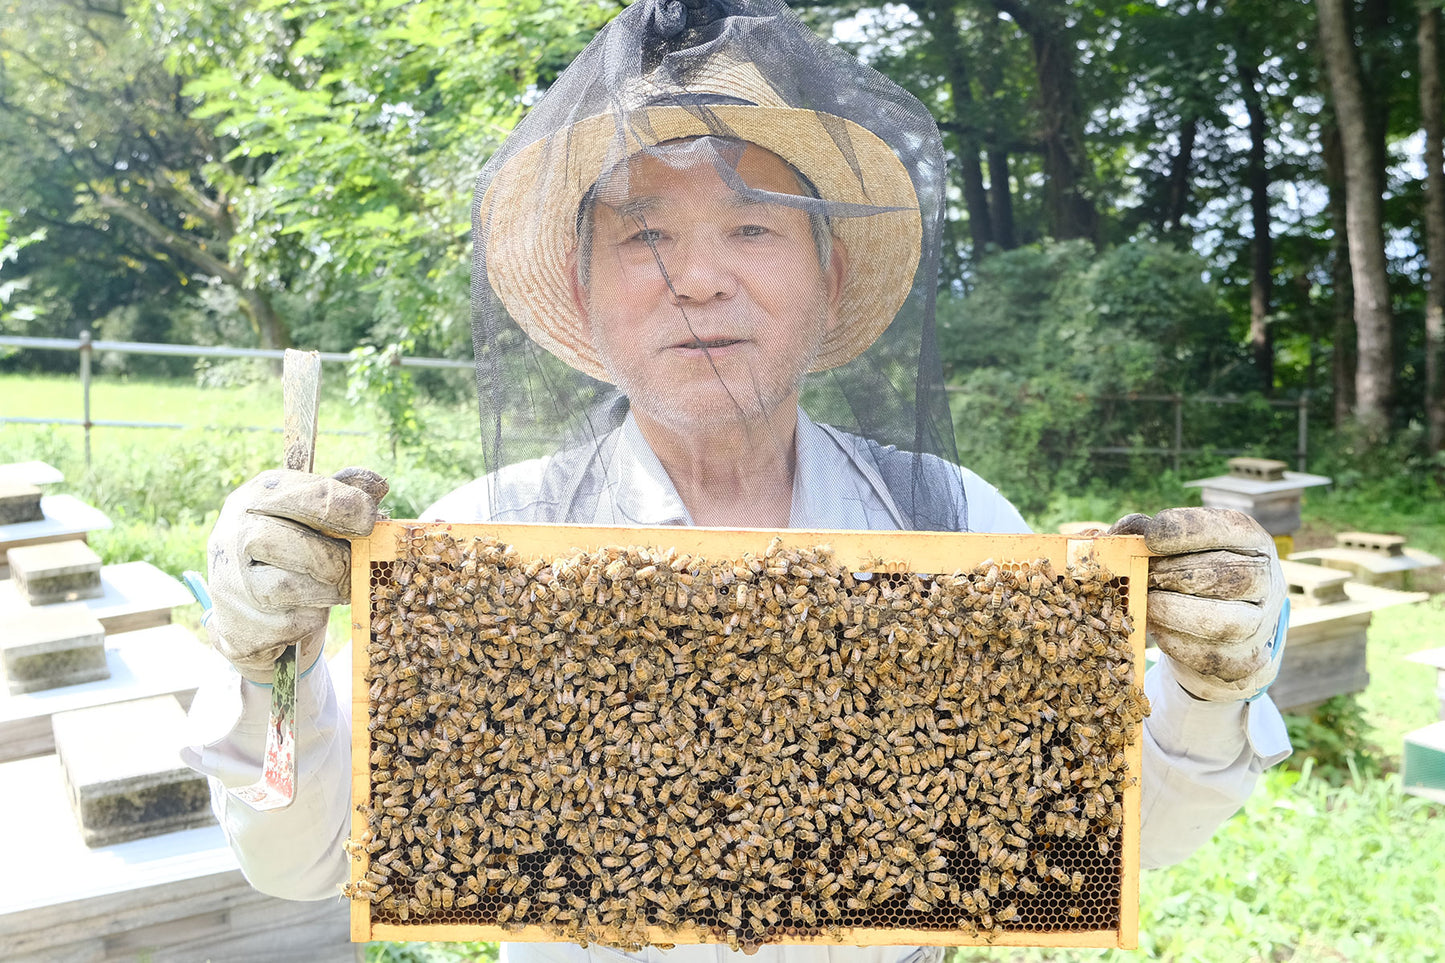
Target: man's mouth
[710,343]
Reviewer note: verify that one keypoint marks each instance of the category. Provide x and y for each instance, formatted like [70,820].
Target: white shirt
[1200,759]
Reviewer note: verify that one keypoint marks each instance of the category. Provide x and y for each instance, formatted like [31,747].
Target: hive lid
[30,473]
[1249,485]
[1361,601]
[1431,657]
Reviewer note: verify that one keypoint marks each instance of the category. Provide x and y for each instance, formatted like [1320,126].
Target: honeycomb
[627,742]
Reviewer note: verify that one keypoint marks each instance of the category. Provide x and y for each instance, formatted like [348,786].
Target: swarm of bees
[630,746]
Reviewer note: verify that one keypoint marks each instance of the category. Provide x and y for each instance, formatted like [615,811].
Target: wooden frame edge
[361,928]
[1133,795]
[453,932]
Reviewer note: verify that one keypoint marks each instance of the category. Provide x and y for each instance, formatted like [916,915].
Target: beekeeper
[703,294]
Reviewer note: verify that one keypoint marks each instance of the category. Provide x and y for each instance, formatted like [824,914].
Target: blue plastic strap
[196,582]
[1276,648]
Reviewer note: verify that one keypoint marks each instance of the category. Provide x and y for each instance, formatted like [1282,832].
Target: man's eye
[752,230]
[648,235]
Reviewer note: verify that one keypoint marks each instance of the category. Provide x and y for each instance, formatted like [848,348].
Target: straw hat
[530,208]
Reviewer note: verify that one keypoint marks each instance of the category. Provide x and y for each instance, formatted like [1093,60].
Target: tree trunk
[1001,201]
[268,324]
[938,17]
[1432,106]
[1261,256]
[1068,171]
[1177,198]
[1000,189]
[270,329]
[1364,223]
[1342,356]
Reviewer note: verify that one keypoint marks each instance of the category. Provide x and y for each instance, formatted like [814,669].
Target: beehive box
[728,737]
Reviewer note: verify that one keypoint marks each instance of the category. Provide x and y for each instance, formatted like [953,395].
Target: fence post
[1178,430]
[1304,430]
[85,390]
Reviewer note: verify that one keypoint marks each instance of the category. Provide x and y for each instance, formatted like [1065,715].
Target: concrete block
[19,502]
[1261,469]
[122,773]
[57,572]
[55,646]
[1314,584]
[1377,542]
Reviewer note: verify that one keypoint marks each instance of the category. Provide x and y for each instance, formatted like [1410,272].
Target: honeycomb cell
[620,745]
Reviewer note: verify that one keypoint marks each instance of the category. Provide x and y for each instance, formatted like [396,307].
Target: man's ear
[834,278]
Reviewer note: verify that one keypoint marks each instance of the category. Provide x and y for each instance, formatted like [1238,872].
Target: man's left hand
[1215,596]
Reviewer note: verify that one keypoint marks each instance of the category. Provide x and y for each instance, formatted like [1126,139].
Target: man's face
[734,317]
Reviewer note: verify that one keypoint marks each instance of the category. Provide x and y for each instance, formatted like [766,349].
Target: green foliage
[1334,738]
[1084,330]
[96,149]
[379,377]
[358,129]
[14,308]
[431,953]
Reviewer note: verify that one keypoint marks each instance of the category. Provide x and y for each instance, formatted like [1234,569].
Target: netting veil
[705,96]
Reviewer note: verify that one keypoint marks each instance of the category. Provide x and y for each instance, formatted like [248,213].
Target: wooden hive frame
[1123,557]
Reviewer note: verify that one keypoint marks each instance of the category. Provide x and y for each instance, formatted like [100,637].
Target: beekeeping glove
[277,562]
[1216,599]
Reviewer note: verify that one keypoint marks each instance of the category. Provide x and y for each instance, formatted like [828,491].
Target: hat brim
[529,216]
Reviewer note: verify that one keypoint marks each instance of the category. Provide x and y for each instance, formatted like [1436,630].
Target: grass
[1320,866]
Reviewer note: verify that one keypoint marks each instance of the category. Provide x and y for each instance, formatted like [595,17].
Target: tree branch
[178,243]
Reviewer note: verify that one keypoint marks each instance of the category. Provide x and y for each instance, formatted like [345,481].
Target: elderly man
[738,227]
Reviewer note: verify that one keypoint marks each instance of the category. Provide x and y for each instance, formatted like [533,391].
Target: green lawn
[1312,869]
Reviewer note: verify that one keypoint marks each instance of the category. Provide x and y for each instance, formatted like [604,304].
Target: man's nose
[697,270]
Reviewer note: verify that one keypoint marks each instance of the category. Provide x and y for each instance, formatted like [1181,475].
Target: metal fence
[86,347]
[1177,448]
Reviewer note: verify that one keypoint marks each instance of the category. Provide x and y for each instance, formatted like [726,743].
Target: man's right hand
[278,560]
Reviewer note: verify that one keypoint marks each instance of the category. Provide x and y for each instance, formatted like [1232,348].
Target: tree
[88,108]
[1364,188]
[1067,165]
[1432,110]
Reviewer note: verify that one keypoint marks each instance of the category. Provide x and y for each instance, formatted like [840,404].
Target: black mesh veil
[693,94]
